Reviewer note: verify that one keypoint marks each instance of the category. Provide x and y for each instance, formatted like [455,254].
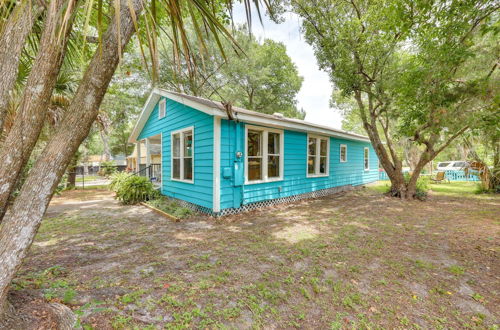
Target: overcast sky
[316,88]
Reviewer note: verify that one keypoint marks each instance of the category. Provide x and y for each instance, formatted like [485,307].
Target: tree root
[23,311]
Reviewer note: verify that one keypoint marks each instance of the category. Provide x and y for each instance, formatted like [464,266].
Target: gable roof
[248,116]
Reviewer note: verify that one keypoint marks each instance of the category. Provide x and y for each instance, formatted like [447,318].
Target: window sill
[263,181]
[318,175]
[184,181]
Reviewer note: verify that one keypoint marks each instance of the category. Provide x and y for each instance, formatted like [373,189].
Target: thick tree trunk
[24,217]
[16,30]
[31,114]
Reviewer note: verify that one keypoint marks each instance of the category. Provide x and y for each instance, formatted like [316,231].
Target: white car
[453,165]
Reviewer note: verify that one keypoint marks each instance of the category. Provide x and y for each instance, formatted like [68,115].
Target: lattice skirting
[267,203]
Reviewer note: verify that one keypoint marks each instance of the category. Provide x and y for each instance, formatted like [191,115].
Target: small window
[317,155]
[311,157]
[367,159]
[182,155]
[273,155]
[343,153]
[264,154]
[162,110]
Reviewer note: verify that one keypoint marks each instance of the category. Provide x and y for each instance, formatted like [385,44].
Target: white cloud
[316,88]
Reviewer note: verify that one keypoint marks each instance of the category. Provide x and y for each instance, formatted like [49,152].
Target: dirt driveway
[352,260]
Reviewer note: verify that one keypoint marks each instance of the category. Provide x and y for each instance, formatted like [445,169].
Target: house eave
[243,115]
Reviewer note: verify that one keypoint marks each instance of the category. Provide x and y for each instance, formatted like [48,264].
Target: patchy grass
[353,260]
[456,189]
[88,178]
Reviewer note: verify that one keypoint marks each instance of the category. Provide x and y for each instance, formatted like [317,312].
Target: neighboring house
[154,152]
[91,164]
[226,165]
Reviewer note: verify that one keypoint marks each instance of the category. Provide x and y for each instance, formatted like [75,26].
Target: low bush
[170,206]
[133,189]
[117,179]
[422,187]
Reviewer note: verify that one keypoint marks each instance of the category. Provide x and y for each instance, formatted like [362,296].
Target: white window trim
[366,160]
[180,131]
[318,157]
[216,165]
[162,103]
[161,163]
[340,153]
[264,153]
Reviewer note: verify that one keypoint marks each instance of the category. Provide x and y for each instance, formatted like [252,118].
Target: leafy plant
[170,206]
[134,189]
[117,179]
[422,186]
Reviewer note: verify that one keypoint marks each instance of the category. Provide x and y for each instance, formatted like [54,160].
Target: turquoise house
[223,161]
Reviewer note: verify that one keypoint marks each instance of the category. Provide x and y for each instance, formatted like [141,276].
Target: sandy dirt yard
[353,260]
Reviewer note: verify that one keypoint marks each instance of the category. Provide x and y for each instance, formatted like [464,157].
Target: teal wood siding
[295,179]
[230,194]
[180,116]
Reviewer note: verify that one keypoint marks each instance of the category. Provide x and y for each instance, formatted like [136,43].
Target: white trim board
[247,116]
[216,165]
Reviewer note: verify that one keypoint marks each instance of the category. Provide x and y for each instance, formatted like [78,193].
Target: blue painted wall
[295,178]
[180,116]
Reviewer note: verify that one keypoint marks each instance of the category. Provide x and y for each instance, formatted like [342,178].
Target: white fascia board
[296,126]
[193,104]
[216,165]
[154,97]
[249,118]
[143,117]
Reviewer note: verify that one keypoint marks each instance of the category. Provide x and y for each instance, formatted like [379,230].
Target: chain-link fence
[91,176]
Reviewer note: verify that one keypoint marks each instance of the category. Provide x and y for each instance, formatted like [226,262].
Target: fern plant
[135,189]
[117,179]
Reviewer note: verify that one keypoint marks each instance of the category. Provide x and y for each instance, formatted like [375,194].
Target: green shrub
[134,189]
[422,186]
[170,206]
[117,179]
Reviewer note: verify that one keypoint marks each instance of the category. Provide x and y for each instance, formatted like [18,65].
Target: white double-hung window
[367,159]
[264,154]
[182,153]
[318,155]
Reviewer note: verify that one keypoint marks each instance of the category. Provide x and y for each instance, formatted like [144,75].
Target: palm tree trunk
[16,30]
[32,110]
[23,219]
